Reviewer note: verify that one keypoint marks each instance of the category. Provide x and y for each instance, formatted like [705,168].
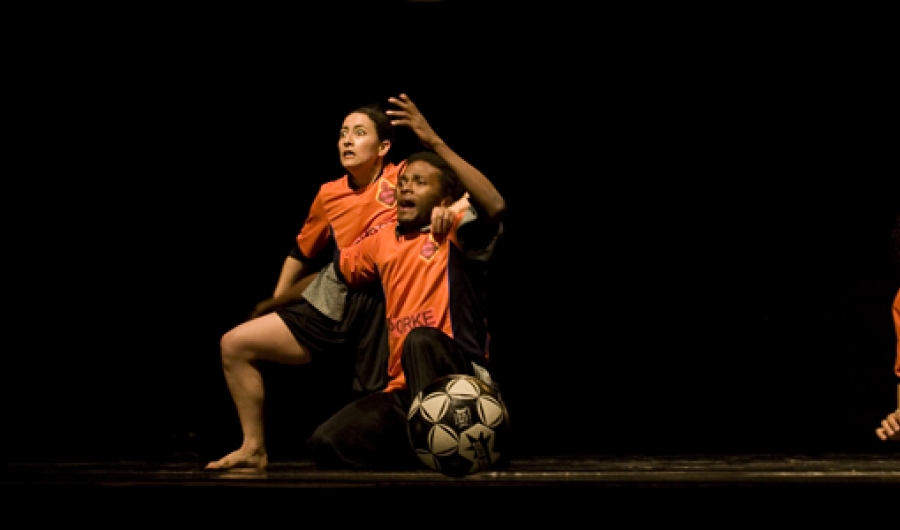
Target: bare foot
[242,459]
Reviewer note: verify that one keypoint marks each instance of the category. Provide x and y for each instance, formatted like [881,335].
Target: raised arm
[483,196]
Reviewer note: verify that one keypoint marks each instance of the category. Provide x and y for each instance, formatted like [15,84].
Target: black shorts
[360,338]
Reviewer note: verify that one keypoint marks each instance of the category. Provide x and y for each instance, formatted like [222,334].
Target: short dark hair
[450,183]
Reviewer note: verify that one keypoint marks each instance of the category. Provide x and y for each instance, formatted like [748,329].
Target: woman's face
[358,143]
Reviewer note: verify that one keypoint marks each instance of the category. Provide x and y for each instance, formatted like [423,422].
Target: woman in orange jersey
[434,298]
[890,425]
[311,315]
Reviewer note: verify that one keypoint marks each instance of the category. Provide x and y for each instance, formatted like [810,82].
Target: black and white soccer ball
[458,425]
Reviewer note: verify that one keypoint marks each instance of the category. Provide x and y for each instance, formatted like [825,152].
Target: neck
[407,227]
[364,176]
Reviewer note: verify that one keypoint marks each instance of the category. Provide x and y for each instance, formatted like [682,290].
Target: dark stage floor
[642,488]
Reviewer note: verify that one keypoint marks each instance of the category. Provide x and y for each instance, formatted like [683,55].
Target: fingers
[408,114]
[437,220]
[400,117]
[441,219]
[893,419]
[400,100]
[891,425]
[403,102]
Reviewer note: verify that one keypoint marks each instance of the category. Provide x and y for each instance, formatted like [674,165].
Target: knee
[317,440]
[419,344]
[324,449]
[231,348]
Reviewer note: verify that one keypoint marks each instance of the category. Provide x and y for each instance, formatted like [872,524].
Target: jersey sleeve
[315,233]
[476,238]
[355,265]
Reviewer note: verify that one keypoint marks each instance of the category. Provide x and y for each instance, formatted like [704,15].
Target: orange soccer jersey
[427,281]
[345,214]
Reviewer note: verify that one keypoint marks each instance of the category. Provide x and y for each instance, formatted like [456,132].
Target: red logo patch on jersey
[429,249]
[387,195]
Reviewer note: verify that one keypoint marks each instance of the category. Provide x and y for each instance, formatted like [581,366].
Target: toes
[219,464]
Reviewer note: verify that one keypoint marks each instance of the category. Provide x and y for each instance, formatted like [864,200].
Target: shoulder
[392,171]
[382,230]
[334,185]
[333,189]
[477,236]
[469,219]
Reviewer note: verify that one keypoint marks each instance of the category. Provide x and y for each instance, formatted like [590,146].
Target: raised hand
[442,217]
[408,114]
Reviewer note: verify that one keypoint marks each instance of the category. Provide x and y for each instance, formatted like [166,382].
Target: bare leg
[266,338]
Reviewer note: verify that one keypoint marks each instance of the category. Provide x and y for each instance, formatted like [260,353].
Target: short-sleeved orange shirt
[426,283]
[344,213]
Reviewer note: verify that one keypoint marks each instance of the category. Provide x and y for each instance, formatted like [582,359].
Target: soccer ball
[458,425]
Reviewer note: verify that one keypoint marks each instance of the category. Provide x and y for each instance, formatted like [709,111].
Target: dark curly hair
[451,186]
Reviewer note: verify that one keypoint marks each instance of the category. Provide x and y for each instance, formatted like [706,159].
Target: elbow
[496,210]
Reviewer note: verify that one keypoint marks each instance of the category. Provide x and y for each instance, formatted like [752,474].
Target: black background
[698,253]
